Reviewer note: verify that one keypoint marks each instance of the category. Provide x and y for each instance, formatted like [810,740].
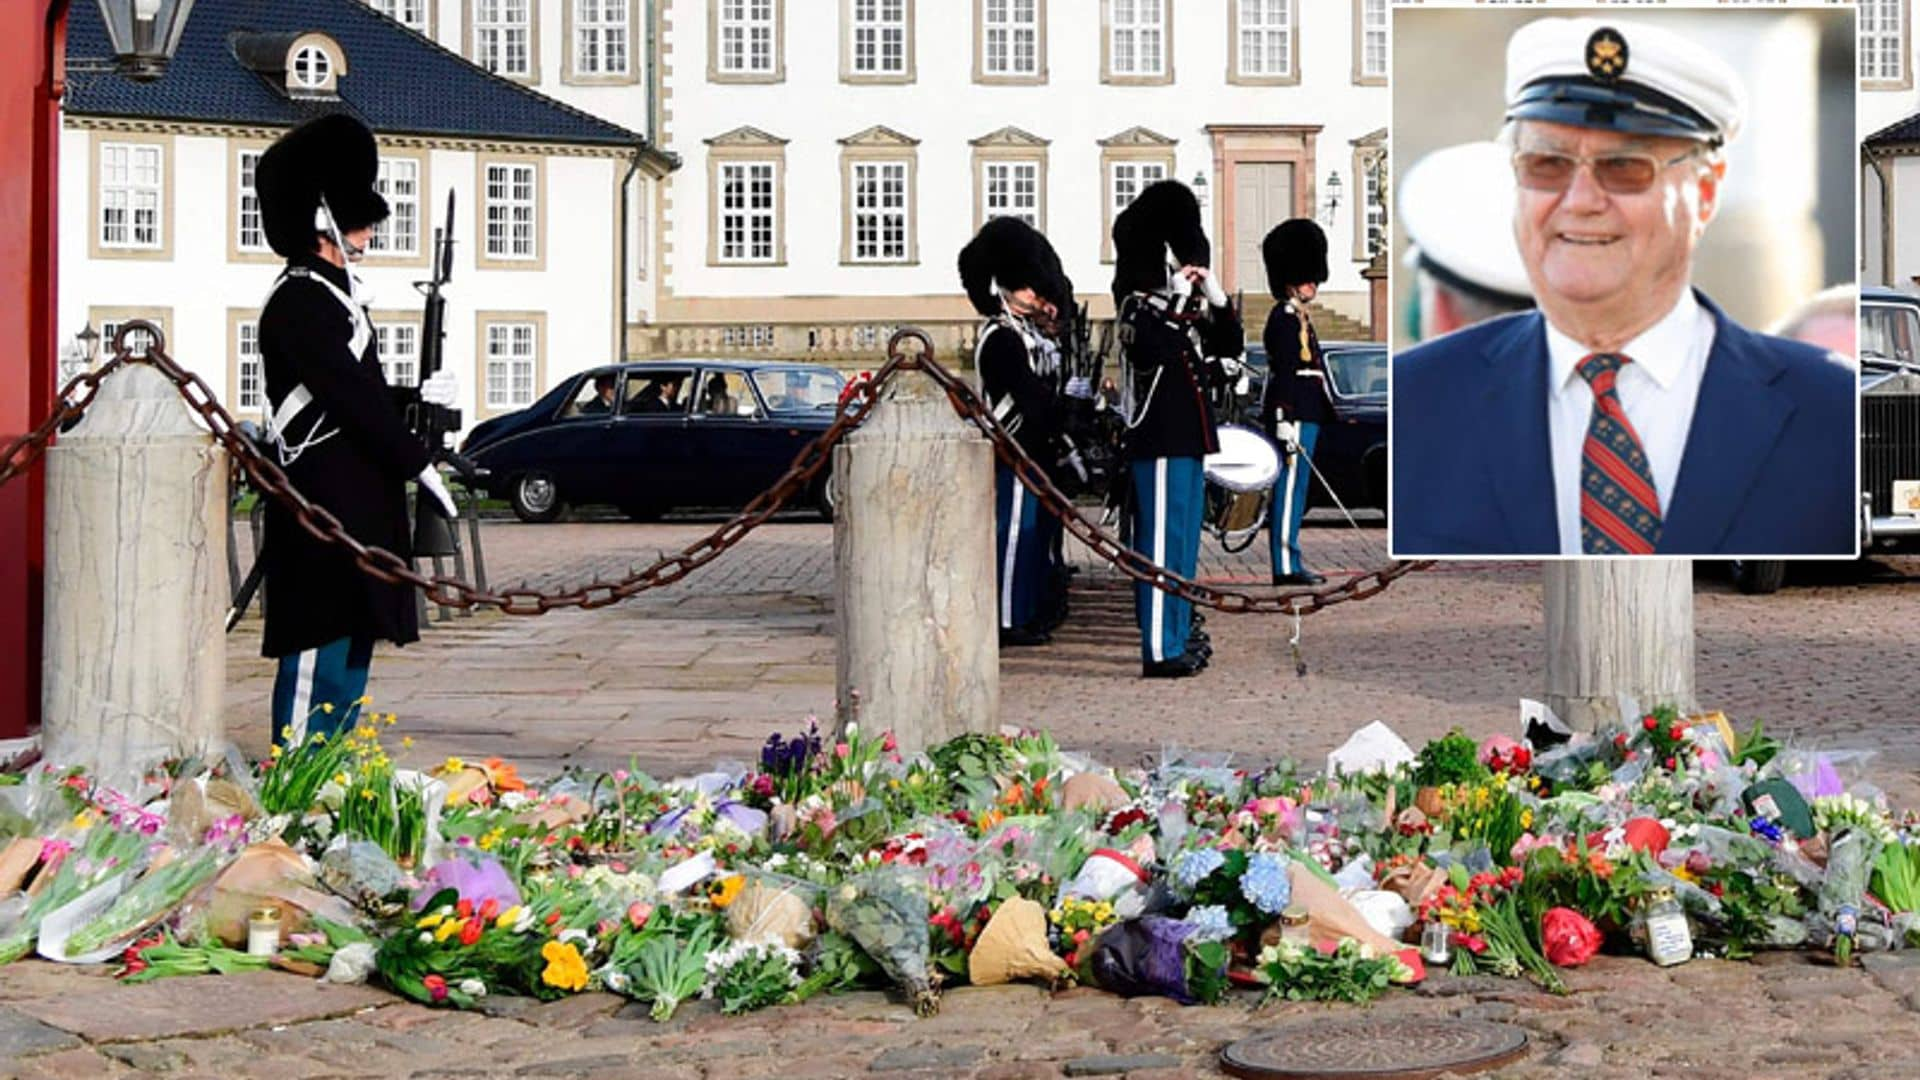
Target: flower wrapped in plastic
[164,887]
[884,911]
[1157,956]
[68,868]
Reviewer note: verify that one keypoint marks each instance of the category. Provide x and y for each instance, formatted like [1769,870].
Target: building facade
[1889,127]
[838,153]
[159,220]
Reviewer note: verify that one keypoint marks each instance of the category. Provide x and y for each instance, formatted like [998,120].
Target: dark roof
[1900,131]
[397,81]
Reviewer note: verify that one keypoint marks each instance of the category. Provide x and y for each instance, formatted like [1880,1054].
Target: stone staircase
[1331,325]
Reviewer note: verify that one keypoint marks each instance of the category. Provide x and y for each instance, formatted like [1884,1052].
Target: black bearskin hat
[1165,215]
[334,156]
[1012,254]
[1296,254]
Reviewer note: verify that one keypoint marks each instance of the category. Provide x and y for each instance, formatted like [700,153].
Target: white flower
[426,937]
[513,800]
[617,981]
[473,988]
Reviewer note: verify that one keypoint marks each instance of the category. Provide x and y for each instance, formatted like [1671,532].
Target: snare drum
[1239,481]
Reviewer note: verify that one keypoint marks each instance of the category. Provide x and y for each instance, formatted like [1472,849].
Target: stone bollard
[914,571]
[135,655]
[1617,626]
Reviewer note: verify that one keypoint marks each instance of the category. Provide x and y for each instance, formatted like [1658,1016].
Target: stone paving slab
[104,1012]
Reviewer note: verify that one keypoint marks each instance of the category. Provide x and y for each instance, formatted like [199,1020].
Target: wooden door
[1262,198]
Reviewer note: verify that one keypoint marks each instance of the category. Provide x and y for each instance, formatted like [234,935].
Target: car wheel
[823,497]
[536,498]
[1758,577]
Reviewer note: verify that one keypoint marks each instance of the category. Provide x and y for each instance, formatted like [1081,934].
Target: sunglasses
[1619,173]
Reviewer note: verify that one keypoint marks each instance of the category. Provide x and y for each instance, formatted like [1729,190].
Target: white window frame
[249,227]
[1006,200]
[748,38]
[401,366]
[1884,45]
[1266,26]
[1003,28]
[126,187]
[883,24]
[1139,181]
[312,68]
[510,212]
[1373,61]
[501,359]
[398,237]
[497,33]
[881,205]
[137,341]
[1138,26]
[415,15]
[746,173]
[600,29]
[247,368]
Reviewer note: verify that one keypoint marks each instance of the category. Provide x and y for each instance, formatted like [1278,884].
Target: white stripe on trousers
[1286,515]
[302,698]
[1010,560]
[1157,620]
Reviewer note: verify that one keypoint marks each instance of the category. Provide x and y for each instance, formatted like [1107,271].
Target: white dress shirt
[1658,390]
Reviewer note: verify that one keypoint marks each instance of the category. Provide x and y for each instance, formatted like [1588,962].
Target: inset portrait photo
[1609,219]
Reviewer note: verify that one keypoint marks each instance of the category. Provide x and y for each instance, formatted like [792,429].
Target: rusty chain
[384,565]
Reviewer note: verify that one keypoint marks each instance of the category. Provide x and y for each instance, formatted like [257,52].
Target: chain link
[384,565]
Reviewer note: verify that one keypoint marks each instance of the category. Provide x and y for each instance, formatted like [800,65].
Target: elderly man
[1629,415]
[1460,252]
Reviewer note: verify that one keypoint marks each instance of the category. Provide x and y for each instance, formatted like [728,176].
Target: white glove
[1288,432]
[1211,285]
[431,483]
[442,388]
[1080,386]
[1232,366]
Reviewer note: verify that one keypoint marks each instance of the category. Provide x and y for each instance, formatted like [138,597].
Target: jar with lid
[263,931]
[1293,926]
[1669,938]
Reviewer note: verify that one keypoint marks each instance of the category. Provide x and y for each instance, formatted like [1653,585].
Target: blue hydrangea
[1193,867]
[1210,923]
[1265,883]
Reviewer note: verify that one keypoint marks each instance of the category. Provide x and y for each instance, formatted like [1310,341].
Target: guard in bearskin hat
[1014,279]
[1296,401]
[1179,336]
[334,427]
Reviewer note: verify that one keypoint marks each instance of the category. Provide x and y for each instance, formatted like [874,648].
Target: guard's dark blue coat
[315,594]
[1175,419]
[1299,395]
[1768,467]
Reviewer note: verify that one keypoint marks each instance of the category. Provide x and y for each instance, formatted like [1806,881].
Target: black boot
[1020,636]
[1180,667]
[1300,577]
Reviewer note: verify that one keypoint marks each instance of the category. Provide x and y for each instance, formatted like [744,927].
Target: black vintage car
[1889,436]
[655,436]
[1352,452]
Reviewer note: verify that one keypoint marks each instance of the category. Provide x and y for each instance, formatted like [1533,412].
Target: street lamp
[1333,199]
[77,355]
[144,34]
[1200,192]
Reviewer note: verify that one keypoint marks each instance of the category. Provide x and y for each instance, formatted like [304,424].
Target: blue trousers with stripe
[335,674]
[1023,544]
[1168,499]
[1290,504]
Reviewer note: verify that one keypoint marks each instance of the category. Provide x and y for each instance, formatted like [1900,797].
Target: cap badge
[1606,54]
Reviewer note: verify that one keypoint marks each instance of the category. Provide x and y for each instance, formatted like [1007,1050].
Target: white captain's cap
[1622,76]
[1456,204]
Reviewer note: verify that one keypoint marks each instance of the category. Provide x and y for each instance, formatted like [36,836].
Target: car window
[1358,371]
[1889,332]
[657,392]
[593,397]
[799,389]
[725,393]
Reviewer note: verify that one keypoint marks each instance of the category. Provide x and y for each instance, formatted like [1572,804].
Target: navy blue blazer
[1768,467]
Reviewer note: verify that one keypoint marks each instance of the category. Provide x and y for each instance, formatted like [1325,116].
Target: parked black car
[651,437]
[1889,436]
[1352,452]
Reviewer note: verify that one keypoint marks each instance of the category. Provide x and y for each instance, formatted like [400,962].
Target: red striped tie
[1619,507]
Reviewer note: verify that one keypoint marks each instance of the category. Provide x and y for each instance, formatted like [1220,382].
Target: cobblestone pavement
[684,676]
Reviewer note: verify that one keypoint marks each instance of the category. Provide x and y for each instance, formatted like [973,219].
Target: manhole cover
[1374,1050]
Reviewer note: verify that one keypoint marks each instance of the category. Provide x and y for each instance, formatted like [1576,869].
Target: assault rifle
[432,532]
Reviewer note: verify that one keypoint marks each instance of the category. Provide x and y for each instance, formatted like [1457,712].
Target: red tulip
[1676,733]
[470,933]
[436,987]
[1568,939]
[1650,723]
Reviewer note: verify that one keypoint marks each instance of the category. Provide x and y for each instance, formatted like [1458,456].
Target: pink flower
[620,776]
[841,750]
[436,987]
[638,913]
[888,743]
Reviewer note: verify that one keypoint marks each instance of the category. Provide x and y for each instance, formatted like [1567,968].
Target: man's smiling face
[1604,250]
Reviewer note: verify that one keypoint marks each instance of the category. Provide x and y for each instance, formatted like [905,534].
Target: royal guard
[1296,401]
[1014,279]
[334,427]
[1176,332]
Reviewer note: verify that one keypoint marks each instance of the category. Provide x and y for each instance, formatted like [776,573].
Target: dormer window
[312,69]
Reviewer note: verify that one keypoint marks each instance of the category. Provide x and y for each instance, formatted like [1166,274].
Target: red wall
[31,33]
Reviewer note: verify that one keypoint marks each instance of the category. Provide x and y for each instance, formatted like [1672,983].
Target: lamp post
[79,353]
[1201,194]
[144,34]
[1333,199]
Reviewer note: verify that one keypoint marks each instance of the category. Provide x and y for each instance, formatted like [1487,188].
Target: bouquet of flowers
[1488,927]
[745,976]
[1176,958]
[1349,972]
[1252,887]
[459,951]
[68,872]
[884,911]
[158,891]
